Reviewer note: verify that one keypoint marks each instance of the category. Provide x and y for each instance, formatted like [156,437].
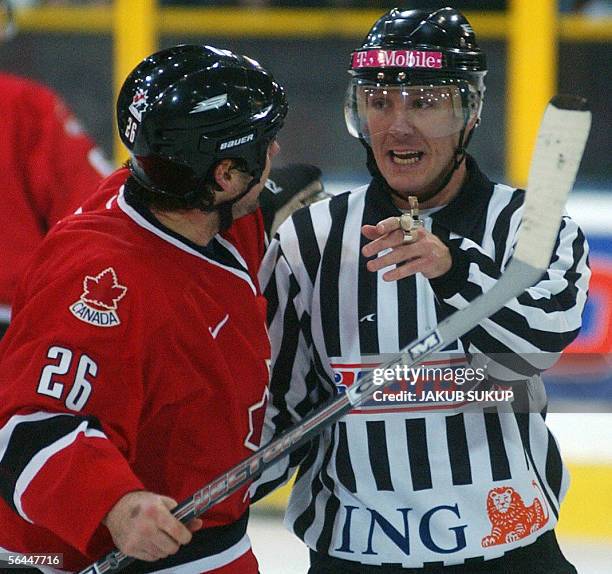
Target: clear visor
[432,111]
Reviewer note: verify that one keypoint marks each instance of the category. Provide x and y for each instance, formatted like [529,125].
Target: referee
[397,485]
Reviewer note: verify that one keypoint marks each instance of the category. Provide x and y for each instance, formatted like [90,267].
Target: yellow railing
[531,29]
[279,22]
[135,34]
[531,78]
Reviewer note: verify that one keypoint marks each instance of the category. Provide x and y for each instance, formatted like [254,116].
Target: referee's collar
[463,215]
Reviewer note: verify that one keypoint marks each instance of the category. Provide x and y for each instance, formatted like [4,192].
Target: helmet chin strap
[226,217]
[224,209]
[458,158]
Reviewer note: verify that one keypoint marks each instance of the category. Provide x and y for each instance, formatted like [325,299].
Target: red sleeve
[104,477]
[71,392]
[63,164]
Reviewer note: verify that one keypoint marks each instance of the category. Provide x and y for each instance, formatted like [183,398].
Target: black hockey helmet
[418,48]
[430,63]
[185,108]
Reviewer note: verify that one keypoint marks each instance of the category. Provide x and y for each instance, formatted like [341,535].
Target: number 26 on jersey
[81,388]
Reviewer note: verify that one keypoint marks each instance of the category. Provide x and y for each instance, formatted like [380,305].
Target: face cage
[357,120]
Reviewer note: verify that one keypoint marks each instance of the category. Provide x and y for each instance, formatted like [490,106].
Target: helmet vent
[468,61]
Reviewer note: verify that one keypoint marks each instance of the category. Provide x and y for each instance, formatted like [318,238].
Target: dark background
[79,67]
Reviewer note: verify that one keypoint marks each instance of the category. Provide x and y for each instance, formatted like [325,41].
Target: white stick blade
[559,147]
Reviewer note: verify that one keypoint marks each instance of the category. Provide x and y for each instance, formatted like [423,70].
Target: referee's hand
[425,254]
[142,526]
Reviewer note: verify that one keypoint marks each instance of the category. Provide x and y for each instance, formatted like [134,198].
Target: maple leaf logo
[103,290]
[256,419]
[139,104]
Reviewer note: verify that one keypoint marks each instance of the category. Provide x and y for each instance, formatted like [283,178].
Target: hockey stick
[559,147]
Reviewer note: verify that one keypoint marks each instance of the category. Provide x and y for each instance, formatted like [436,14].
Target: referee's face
[412,151]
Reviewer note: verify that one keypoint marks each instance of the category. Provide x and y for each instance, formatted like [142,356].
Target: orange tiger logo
[510,518]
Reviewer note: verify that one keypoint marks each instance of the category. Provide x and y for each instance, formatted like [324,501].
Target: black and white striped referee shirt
[395,482]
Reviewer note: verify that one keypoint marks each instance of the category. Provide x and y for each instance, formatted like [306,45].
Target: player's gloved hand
[288,189]
[142,526]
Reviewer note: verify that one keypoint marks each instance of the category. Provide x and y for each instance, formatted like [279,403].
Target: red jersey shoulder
[38,103]
[98,264]
[57,153]
[88,264]
[17,88]
[100,290]
[98,303]
[107,192]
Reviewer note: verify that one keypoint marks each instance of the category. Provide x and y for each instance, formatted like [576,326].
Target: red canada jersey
[134,360]
[47,165]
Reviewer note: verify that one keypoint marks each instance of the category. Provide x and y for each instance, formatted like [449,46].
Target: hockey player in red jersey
[48,166]
[135,367]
